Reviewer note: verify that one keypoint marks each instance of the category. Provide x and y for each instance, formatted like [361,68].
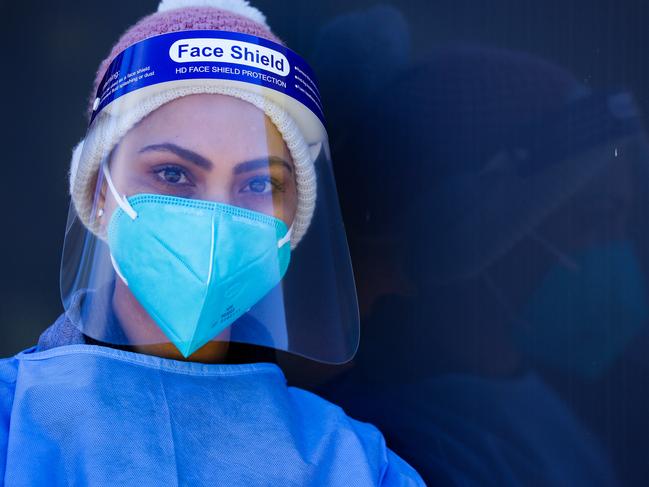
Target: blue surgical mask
[195,266]
[585,310]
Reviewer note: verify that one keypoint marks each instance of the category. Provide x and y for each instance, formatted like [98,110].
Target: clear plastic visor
[205,224]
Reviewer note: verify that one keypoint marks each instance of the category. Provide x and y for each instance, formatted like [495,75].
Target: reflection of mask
[582,316]
[196,266]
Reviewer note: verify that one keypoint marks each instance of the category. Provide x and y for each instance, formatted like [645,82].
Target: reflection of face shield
[214,155]
[483,214]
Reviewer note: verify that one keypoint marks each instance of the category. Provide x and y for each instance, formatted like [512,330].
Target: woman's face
[207,147]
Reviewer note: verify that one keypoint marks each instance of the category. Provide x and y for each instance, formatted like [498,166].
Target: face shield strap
[121,200]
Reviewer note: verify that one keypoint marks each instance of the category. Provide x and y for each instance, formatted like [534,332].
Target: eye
[173,175]
[258,185]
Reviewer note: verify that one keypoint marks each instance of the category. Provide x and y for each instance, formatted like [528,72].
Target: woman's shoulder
[312,406]
[353,438]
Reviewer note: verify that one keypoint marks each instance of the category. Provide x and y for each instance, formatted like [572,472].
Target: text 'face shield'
[204,206]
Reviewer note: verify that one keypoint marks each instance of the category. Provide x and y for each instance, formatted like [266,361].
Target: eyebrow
[261,163]
[205,163]
[181,152]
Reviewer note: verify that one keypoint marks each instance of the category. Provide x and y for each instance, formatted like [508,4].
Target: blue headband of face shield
[195,266]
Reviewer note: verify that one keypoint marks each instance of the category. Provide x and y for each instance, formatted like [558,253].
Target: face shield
[204,207]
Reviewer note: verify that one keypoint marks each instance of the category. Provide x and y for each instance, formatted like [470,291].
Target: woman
[193,245]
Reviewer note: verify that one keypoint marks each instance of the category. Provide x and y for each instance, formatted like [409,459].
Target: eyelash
[160,170]
[266,179]
[277,186]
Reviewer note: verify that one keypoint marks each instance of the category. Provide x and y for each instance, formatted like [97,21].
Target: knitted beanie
[109,127]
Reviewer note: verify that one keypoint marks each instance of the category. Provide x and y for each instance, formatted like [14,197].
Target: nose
[217,188]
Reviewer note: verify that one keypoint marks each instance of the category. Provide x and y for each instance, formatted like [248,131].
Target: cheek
[287,207]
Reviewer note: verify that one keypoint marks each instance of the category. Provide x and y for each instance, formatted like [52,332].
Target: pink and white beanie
[109,127]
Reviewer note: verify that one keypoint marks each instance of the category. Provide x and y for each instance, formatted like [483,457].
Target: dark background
[51,50]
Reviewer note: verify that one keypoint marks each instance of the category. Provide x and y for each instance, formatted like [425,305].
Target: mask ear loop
[121,200]
[124,205]
[285,239]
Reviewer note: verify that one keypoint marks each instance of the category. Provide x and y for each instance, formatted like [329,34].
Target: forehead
[218,127]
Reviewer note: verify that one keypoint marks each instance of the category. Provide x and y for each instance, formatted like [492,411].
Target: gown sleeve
[8,369]
[351,452]
[398,473]
[394,471]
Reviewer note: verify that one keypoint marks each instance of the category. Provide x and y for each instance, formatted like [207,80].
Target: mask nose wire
[121,200]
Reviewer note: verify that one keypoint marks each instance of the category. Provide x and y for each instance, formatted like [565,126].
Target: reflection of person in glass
[515,256]
[190,237]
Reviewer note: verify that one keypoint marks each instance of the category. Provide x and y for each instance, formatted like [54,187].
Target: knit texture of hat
[173,16]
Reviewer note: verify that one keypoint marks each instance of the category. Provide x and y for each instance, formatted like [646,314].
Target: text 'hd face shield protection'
[204,205]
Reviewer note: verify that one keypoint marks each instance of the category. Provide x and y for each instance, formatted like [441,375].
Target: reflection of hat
[179,15]
[490,142]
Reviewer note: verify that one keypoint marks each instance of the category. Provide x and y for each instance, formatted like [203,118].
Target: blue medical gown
[90,415]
